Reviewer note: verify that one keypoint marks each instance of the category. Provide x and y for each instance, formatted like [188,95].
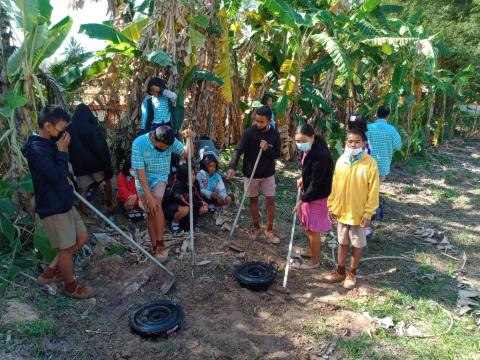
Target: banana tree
[23,67]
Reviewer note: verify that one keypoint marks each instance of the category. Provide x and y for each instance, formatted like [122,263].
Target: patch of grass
[359,348]
[417,163]
[48,303]
[37,328]
[410,189]
[444,194]
[116,249]
[162,348]
[419,304]
[316,331]
[443,159]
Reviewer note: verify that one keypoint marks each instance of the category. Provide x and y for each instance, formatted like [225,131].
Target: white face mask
[349,152]
[132,173]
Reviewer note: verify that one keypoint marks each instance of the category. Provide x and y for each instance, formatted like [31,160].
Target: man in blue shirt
[155,107]
[384,140]
[151,156]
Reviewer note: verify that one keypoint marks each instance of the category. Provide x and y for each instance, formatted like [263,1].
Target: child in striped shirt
[211,184]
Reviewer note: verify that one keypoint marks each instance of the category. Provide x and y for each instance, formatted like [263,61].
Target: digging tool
[245,195]
[190,204]
[167,285]
[289,256]
[190,196]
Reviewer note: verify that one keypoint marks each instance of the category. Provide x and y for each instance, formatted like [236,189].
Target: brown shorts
[62,229]
[352,234]
[84,181]
[267,184]
[158,192]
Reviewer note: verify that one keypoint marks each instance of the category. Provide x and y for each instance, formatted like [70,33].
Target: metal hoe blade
[167,285]
[289,256]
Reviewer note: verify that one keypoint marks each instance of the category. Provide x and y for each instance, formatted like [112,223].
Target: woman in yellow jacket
[352,202]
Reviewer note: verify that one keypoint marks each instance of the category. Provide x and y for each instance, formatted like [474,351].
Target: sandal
[271,237]
[80,292]
[42,280]
[305,266]
[253,233]
[160,254]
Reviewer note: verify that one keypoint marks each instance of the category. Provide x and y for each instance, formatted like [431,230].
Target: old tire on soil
[255,275]
[157,318]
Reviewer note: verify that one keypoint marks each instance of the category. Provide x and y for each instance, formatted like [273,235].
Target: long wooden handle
[289,256]
[245,194]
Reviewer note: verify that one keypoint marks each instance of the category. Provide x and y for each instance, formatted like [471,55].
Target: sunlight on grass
[426,315]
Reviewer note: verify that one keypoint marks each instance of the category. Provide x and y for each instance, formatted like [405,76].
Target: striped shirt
[161,110]
[384,140]
[156,163]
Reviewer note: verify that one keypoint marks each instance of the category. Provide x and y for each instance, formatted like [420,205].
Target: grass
[116,249]
[444,194]
[37,328]
[317,330]
[162,348]
[410,189]
[418,303]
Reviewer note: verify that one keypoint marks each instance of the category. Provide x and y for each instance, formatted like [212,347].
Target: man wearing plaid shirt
[151,156]
[384,140]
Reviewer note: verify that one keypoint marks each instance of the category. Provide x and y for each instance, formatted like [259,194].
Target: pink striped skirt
[314,216]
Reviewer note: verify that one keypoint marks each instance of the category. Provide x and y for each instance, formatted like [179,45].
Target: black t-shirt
[249,146]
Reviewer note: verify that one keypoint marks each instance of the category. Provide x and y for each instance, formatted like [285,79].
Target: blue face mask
[304,146]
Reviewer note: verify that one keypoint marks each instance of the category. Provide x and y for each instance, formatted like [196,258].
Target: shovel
[243,200]
[289,256]
[190,204]
[167,285]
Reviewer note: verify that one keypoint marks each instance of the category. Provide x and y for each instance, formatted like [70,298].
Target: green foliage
[455,22]
[37,328]
[159,57]
[116,249]
[105,32]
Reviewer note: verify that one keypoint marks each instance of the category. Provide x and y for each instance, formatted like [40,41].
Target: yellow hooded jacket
[355,189]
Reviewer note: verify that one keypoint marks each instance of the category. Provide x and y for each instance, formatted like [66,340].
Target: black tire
[157,318]
[255,275]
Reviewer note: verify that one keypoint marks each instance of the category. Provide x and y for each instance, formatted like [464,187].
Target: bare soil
[226,321]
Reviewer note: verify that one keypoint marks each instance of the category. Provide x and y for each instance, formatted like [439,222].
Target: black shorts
[170,210]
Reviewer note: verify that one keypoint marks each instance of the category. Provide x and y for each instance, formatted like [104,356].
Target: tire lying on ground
[255,275]
[159,318]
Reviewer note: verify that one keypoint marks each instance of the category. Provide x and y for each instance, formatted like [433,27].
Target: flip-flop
[44,281]
[162,255]
[253,233]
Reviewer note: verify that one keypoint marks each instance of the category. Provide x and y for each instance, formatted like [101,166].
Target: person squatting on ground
[316,184]
[157,105]
[352,203]
[211,184]
[176,204]
[47,156]
[151,156]
[127,195]
[89,154]
[263,136]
